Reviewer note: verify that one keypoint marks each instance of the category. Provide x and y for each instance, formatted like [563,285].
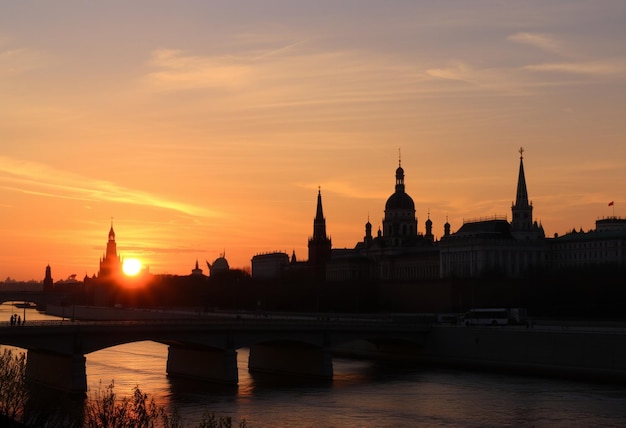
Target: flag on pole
[611,203]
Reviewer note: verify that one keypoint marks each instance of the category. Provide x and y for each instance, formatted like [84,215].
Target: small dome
[429,222]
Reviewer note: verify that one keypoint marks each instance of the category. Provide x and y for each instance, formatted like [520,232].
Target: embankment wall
[595,353]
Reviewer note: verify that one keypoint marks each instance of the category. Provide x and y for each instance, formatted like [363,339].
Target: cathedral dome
[400,201]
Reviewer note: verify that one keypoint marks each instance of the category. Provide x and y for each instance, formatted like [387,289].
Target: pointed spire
[320,244]
[111,232]
[319,215]
[521,199]
[522,210]
[319,224]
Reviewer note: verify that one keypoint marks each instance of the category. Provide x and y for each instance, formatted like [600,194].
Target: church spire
[522,210]
[521,199]
[319,244]
[319,224]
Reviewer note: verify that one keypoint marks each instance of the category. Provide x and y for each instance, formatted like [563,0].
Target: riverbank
[576,352]
[572,350]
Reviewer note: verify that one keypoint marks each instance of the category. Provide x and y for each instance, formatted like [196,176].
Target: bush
[105,410]
[13,392]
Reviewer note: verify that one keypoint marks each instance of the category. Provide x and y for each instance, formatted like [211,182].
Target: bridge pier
[291,359]
[213,365]
[57,371]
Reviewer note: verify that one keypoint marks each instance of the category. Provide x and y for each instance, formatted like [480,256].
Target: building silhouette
[397,253]
[400,222]
[493,246]
[196,271]
[111,262]
[319,244]
[48,282]
[604,245]
[271,265]
[101,288]
[219,266]
[483,247]
[522,225]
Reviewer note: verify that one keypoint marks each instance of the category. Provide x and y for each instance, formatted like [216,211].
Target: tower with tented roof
[111,263]
[319,244]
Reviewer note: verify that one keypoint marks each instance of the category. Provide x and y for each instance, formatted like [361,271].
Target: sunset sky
[203,127]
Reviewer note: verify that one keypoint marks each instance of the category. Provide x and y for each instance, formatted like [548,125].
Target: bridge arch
[205,349]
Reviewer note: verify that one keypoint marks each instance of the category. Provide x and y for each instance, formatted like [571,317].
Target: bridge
[207,348]
[40,298]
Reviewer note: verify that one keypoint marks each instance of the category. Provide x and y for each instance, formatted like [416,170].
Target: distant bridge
[41,298]
[207,349]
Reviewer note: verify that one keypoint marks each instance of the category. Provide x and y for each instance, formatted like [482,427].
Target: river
[361,394]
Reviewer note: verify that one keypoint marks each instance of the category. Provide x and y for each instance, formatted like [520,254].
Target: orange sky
[207,127]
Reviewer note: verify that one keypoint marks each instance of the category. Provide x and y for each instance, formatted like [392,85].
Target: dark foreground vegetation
[103,409]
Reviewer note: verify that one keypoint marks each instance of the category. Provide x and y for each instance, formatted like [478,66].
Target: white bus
[496,316]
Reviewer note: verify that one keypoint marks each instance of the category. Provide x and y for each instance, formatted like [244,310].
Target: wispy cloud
[39,179]
[18,60]
[574,64]
[541,41]
[178,70]
[297,74]
[597,68]
[493,80]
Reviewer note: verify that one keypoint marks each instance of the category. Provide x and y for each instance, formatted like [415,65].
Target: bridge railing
[234,320]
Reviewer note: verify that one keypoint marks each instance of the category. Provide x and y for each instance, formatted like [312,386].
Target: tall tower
[522,210]
[47,281]
[320,243]
[110,264]
[400,223]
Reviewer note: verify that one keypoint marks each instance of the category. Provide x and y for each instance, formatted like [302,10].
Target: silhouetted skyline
[206,128]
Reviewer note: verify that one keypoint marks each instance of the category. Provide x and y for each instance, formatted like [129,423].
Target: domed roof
[220,265]
[400,201]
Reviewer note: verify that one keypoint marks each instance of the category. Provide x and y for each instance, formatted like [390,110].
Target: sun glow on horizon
[131,267]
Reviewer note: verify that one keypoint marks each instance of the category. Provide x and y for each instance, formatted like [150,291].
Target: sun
[131,267]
